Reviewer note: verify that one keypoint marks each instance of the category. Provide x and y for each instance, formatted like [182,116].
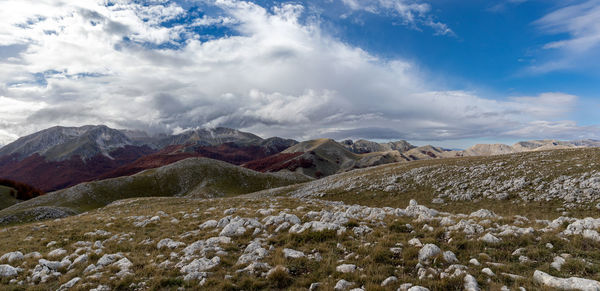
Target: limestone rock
[572,283]
[428,251]
[346,268]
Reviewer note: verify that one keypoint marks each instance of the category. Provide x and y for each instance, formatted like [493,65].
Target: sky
[451,73]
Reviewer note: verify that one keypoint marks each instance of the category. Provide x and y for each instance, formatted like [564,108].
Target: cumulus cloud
[146,66]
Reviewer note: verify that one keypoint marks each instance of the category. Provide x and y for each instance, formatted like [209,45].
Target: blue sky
[452,73]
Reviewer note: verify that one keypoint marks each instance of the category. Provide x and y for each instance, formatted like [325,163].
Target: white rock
[314,286]
[281,218]
[209,224]
[428,251]
[12,257]
[70,284]
[415,242]
[200,265]
[169,243]
[8,271]
[230,211]
[79,260]
[446,221]
[123,264]
[572,283]
[417,288]
[389,281]
[419,211]
[469,227]
[33,255]
[483,213]
[490,238]
[346,268]
[52,265]
[343,285]
[361,230]
[488,272]
[523,259]
[108,259]
[518,252]
[450,257]
[471,283]
[591,234]
[253,252]
[57,253]
[101,288]
[99,232]
[557,263]
[289,253]
[255,268]
[474,262]
[282,227]
[235,228]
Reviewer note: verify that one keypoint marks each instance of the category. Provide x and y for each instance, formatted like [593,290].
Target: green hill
[192,178]
[6,199]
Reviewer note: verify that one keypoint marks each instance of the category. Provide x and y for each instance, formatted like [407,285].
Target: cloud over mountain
[270,70]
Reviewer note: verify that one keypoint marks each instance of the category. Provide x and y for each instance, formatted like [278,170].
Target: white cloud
[581,22]
[277,75]
[412,13]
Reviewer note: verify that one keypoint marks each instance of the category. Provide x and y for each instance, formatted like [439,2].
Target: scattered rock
[346,268]
[428,251]
[488,272]
[7,271]
[12,257]
[572,283]
[169,243]
[69,285]
[342,285]
[471,283]
[289,253]
[389,281]
[490,238]
[450,257]
[557,263]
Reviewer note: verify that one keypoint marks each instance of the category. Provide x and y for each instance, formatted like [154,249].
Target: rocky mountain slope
[324,157]
[362,146]
[507,222]
[526,146]
[60,157]
[60,143]
[193,177]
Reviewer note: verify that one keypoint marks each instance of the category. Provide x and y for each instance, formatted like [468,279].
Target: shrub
[23,191]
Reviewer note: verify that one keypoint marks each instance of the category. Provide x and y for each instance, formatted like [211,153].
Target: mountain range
[61,157]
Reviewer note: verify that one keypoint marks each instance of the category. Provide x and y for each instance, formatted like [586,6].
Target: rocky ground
[409,228]
[249,244]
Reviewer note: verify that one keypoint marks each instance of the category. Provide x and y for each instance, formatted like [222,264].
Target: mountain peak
[60,143]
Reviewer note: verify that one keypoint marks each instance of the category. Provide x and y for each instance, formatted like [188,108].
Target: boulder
[342,285]
[346,268]
[289,253]
[572,283]
[8,271]
[428,251]
[12,257]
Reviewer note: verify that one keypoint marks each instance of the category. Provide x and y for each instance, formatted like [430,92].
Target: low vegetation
[438,224]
